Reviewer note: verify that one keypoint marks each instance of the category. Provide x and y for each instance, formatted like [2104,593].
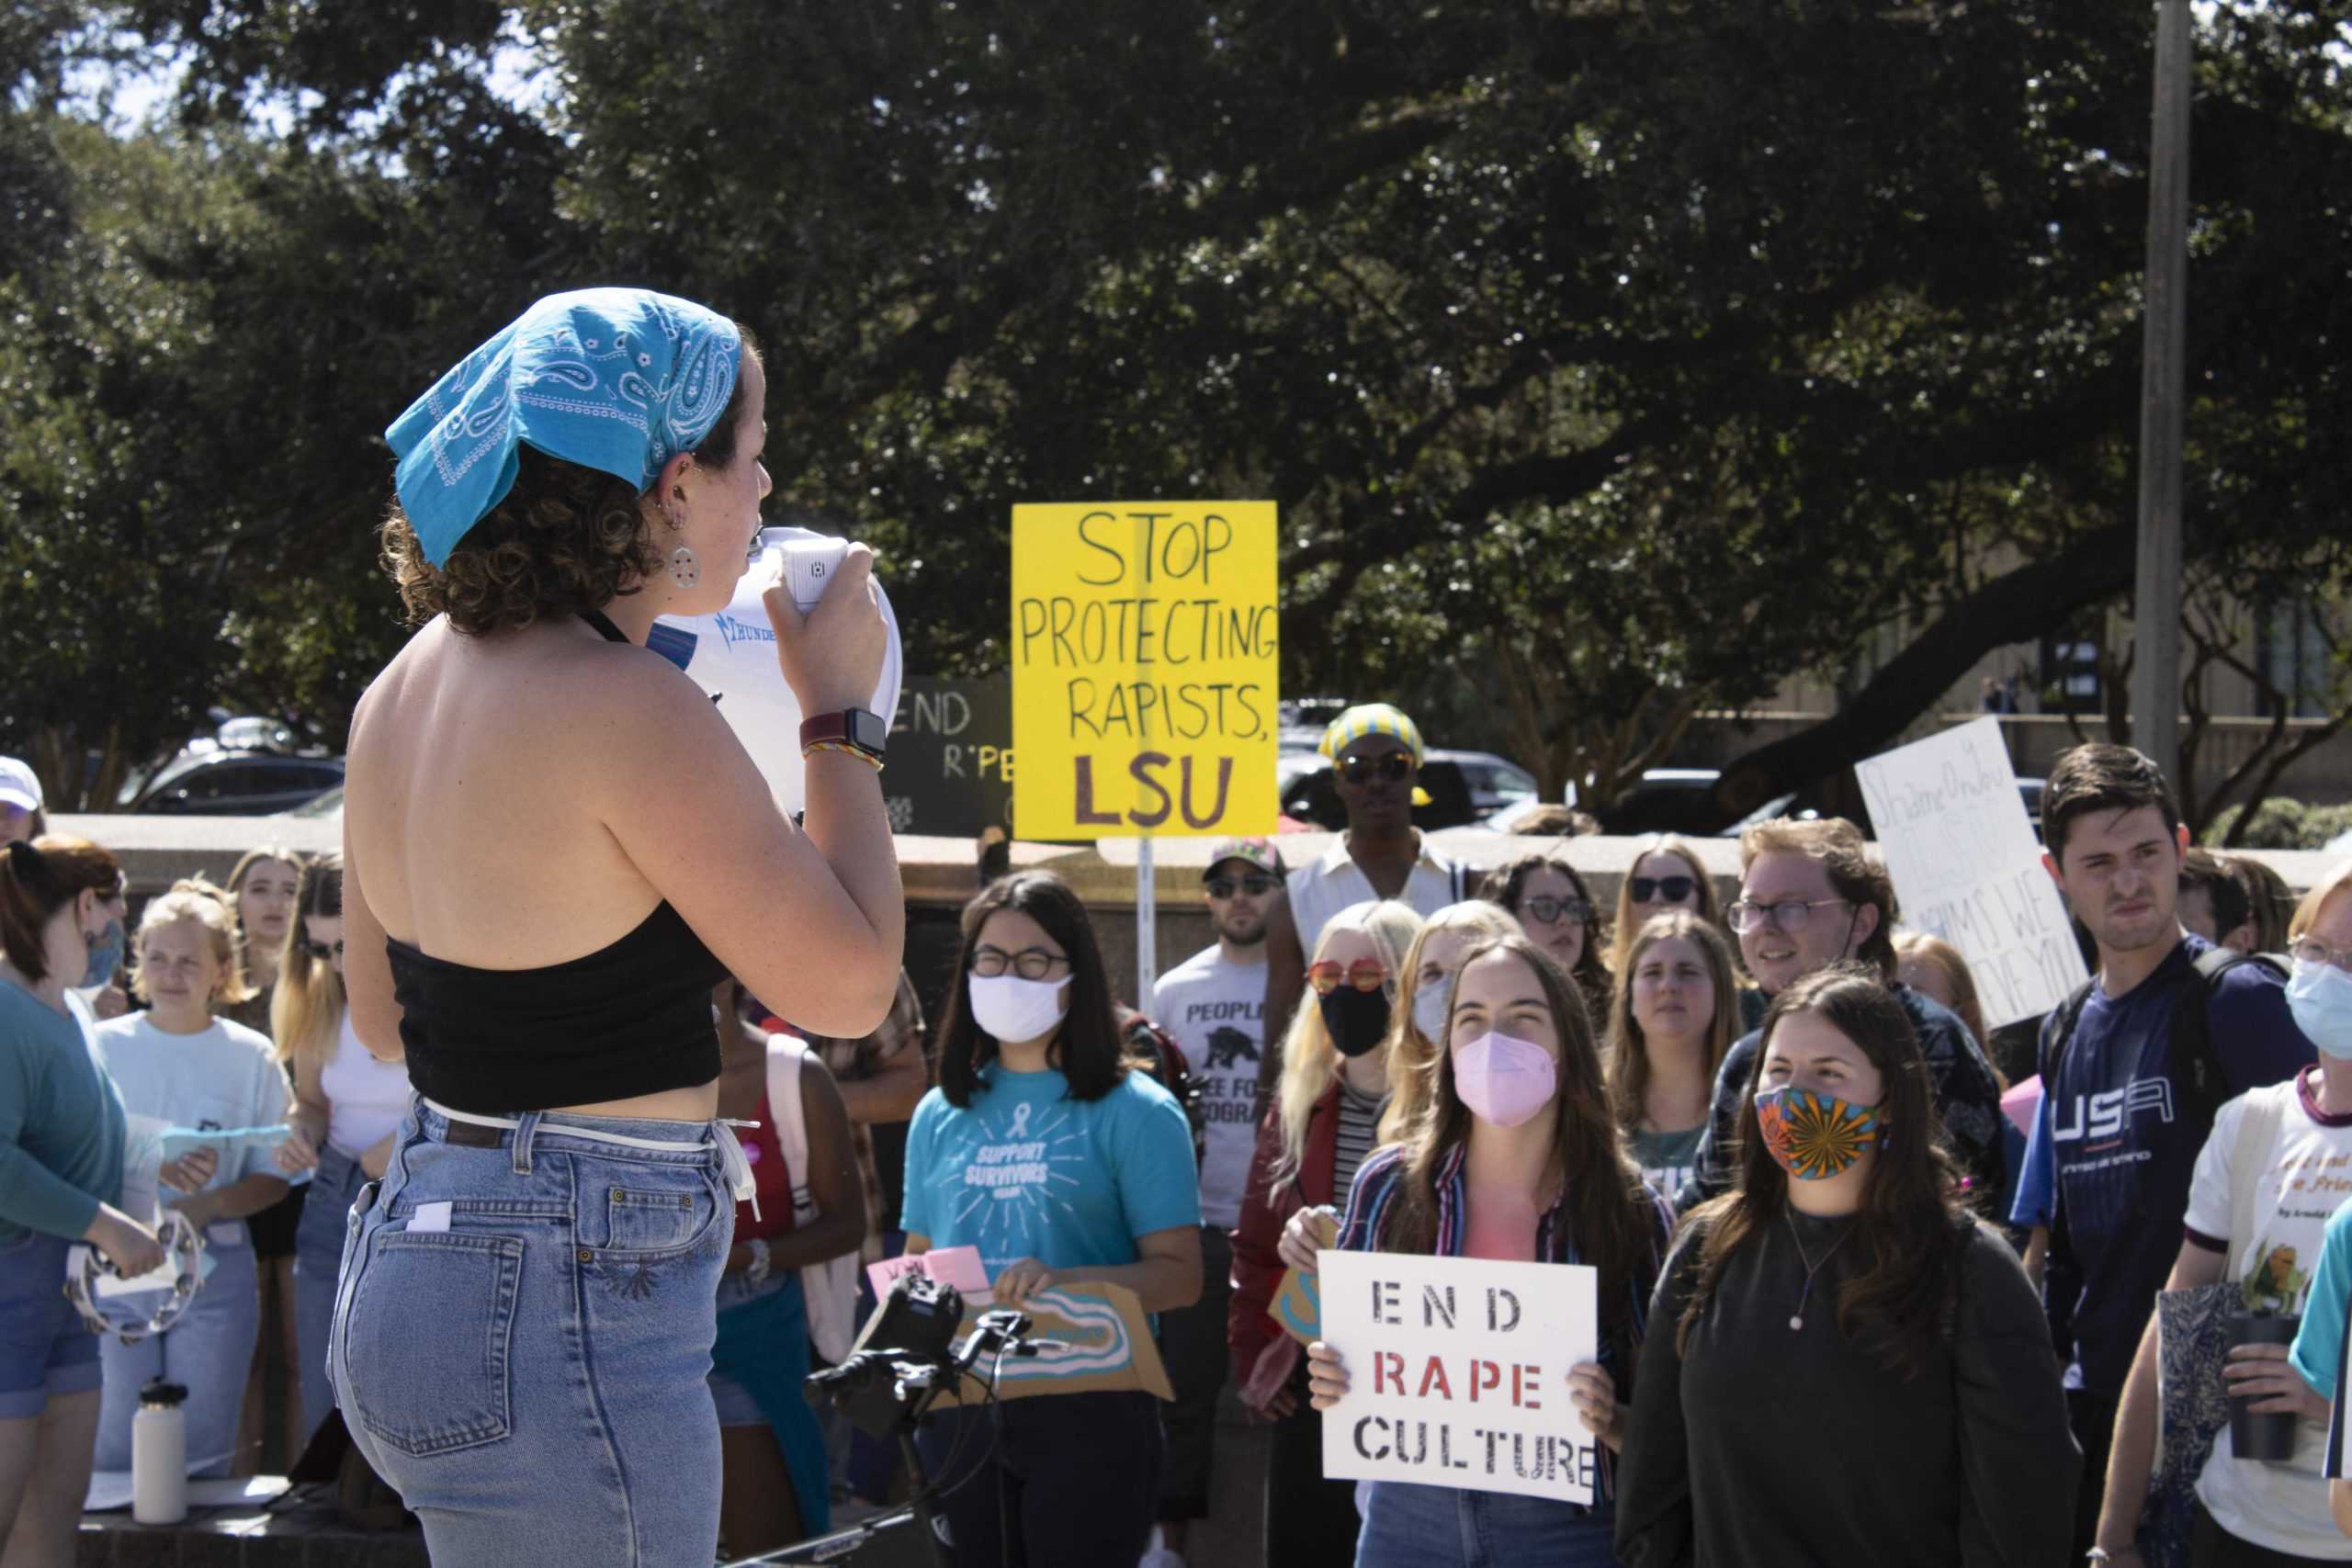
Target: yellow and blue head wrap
[1372,718]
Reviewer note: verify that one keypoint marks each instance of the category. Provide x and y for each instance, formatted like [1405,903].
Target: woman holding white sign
[1849,1366]
[1518,1159]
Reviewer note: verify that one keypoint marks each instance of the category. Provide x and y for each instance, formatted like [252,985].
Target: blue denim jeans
[46,1350]
[210,1352]
[1406,1525]
[531,1379]
[318,1252]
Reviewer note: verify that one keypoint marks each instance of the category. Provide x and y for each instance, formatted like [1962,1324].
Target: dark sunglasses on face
[324,951]
[1390,767]
[1224,886]
[1672,889]
[1547,909]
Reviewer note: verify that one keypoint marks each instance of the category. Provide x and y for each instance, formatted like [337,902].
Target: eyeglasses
[1672,889]
[1224,886]
[1390,767]
[2311,949]
[1788,915]
[1030,962]
[1549,910]
[324,951]
[1363,975]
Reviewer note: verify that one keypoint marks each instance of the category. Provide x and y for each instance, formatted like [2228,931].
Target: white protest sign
[1966,867]
[1458,1372]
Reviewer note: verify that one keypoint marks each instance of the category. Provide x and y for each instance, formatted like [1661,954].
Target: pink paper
[957,1266]
[2022,1104]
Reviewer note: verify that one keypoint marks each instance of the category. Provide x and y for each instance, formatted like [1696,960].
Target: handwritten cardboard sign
[1096,1338]
[1298,1303]
[1966,867]
[1458,1372]
[957,1266]
[1145,646]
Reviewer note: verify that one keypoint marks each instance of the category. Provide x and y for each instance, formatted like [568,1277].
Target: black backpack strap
[2192,1061]
[2059,1032]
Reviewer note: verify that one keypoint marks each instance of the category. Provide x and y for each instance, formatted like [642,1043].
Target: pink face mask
[1504,1080]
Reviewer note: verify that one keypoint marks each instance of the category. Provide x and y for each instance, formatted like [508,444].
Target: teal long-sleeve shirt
[61,1123]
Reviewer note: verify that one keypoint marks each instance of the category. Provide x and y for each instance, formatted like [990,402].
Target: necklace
[1796,1319]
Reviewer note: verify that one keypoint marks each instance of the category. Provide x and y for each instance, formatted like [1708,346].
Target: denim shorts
[522,1334]
[46,1350]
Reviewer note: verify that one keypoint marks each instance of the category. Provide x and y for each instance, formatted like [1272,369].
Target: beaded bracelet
[844,748]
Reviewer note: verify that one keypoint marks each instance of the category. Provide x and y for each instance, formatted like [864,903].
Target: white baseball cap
[19,786]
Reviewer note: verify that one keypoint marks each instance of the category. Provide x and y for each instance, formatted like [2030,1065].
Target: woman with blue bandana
[1844,1364]
[555,848]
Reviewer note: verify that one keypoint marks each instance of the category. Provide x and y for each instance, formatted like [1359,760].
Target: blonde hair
[1623,929]
[2307,912]
[1629,1049]
[1412,1054]
[1310,1062]
[1929,948]
[195,900]
[306,1007]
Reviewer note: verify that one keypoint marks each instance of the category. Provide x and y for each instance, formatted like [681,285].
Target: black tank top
[630,1019]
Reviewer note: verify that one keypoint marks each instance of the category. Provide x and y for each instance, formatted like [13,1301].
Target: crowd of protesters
[575,1168]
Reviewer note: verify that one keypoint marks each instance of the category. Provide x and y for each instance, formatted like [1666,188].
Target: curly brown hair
[564,539]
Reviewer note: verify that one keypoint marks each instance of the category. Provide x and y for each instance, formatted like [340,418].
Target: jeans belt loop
[529,1126]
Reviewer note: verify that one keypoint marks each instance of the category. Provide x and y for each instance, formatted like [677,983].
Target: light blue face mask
[2320,996]
[106,957]
[1431,1008]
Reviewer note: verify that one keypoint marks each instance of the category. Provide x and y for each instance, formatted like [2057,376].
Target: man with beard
[1214,1003]
[2133,1066]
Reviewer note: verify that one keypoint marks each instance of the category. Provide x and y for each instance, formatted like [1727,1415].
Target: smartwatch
[855,728]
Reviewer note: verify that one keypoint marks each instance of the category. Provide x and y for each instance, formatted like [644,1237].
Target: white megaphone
[731,655]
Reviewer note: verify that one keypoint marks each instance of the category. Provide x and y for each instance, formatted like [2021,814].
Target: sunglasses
[324,951]
[1389,767]
[1548,909]
[1224,886]
[1673,889]
[1363,975]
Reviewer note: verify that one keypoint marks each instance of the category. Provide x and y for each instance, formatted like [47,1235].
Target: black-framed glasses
[1389,767]
[1788,915]
[1672,889]
[1549,910]
[1030,962]
[1225,887]
[2311,949]
[324,951]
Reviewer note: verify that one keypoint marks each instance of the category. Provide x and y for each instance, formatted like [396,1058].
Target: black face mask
[1356,1021]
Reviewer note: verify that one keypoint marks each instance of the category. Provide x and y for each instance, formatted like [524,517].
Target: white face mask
[1430,1009]
[2320,996]
[1010,1008]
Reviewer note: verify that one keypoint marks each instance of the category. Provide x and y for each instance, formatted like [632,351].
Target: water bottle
[159,1455]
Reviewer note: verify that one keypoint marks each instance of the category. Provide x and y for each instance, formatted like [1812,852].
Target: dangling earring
[685,570]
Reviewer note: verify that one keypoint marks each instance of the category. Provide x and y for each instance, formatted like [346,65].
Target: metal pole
[1147,925]
[2156,619]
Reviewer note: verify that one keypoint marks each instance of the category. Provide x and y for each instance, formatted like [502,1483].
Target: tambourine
[104,1299]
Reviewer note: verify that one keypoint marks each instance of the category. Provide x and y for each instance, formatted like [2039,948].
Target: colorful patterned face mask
[1814,1136]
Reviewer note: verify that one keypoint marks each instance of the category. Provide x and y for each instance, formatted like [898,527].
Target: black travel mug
[2272,1435]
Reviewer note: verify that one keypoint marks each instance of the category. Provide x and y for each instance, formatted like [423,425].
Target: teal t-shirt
[1665,1158]
[1026,1172]
[2319,1341]
[61,1120]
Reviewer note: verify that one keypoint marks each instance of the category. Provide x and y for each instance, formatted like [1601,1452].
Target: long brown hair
[1507,885]
[1629,1048]
[1710,905]
[1087,1049]
[1911,1225]
[39,878]
[1610,1212]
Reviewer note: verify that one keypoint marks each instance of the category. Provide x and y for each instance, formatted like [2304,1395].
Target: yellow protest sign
[1145,643]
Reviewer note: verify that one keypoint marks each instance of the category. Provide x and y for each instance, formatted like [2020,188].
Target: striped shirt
[1356,1135]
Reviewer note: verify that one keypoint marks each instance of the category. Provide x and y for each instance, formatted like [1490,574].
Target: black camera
[914,1334]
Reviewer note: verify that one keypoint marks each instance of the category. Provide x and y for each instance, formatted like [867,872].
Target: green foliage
[1620,359]
[2280,823]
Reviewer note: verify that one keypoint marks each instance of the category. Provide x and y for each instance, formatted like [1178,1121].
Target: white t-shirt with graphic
[226,1077]
[1217,1010]
[2302,1178]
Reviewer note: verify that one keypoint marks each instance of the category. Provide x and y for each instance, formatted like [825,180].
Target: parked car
[1463,786]
[237,783]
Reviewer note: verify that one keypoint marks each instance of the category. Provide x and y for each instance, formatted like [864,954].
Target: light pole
[2156,620]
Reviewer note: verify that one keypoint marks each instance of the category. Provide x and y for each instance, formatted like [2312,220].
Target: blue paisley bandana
[616,379]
